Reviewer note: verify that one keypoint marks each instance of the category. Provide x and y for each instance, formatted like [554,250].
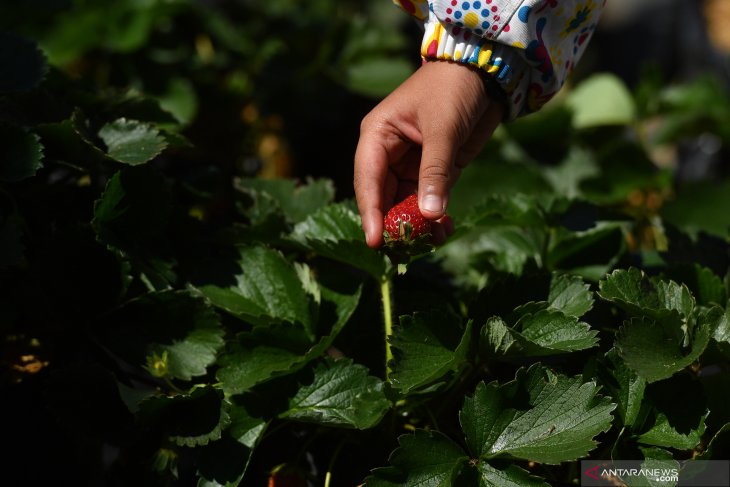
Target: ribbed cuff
[501,63]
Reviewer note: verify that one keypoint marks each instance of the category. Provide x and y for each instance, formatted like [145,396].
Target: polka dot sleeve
[530,47]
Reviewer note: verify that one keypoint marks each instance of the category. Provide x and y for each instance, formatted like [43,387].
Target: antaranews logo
[593,472]
[690,474]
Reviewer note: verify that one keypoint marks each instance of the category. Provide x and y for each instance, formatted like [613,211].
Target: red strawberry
[286,476]
[404,222]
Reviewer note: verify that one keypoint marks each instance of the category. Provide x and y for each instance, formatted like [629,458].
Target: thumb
[435,176]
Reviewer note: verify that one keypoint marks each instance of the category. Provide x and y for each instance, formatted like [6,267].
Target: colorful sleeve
[529,47]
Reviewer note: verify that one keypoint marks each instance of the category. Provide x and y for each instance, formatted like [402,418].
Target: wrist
[492,89]
[501,67]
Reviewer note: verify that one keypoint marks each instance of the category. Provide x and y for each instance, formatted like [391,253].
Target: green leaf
[385,477]
[676,297]
[423,459]
[190,419]
[265,223]
[539,416]
[377,77]
[556,331]
[261,287]
[706,286]
[700,207]
[654,348]
[174,333]
[511,476]
[132,142]
[504,248]
[247,427]
[498,339]
[580,164]
[21,153]
[513,209]
[70,141]
[132,104]
[625,168]
[180,100]
[659,459]
[663,434]
[589,253]
[602,99]
[697,472]
[692,110]
[505,232]
[638,295]
[512,296]
[721,327]
[262,354]
[23,65]
[489,175]
[674,423]
[630,289]
[224,462]
[545,333]
[570,295]
[625,387]
[342,394]
[427,346]
[296,201]
[123,27]
[268,352]
[334,232]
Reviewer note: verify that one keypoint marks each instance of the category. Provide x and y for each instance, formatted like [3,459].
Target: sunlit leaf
[341,394]
[275,350]
[545,333]
[539,416]
[335,232]
[132,142]
[634,292]
[570,295]
[602,99]
[258,285]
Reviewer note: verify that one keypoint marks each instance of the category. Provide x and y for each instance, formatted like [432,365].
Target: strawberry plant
[168,320]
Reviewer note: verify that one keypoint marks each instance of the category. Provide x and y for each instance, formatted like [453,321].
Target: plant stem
[172,386]
[385,293]
[328,475]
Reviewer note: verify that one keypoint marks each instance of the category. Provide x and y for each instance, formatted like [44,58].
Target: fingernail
[432,203]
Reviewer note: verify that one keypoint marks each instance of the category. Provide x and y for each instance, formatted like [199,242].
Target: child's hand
[421,136]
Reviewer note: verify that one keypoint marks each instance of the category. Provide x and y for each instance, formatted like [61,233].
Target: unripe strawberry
[404,222]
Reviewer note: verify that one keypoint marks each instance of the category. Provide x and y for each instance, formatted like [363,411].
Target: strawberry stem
[328,475]
[385,295]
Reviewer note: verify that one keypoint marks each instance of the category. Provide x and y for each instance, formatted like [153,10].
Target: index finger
[371,170]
